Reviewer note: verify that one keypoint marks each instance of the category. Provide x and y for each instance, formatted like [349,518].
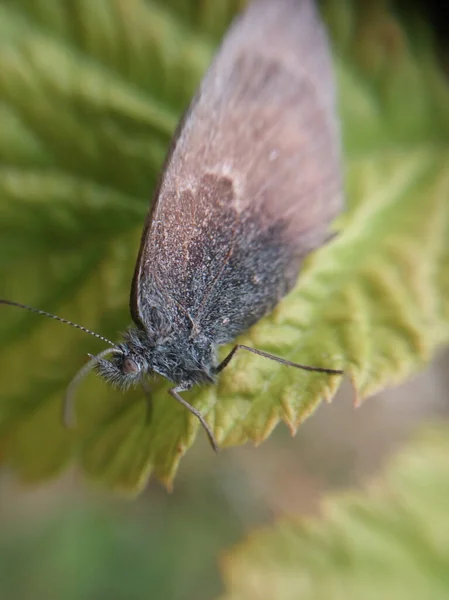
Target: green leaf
[390,542]
[89,96]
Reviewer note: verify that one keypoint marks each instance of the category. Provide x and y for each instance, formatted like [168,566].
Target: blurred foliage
[89,95]
[101,550]
[390,542]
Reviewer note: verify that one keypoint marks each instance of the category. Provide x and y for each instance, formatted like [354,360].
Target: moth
[249,188]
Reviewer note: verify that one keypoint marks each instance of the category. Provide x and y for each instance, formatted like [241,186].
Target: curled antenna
[38,311]
[68,416]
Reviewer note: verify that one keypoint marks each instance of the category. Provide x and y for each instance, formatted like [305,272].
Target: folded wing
[253,178]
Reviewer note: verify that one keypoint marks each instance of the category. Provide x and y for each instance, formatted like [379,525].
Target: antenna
[51,316]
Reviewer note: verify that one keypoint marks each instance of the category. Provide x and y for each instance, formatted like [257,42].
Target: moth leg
[148,399]
[175,393]
[283,361]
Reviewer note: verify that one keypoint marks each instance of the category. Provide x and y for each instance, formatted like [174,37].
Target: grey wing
[253,178]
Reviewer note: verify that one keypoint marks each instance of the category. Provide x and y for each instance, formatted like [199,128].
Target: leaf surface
[89,96]
[390,541]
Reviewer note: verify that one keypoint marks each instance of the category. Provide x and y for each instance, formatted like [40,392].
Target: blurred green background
[68,539]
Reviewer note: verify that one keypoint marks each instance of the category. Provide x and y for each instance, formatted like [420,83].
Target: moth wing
[253,177]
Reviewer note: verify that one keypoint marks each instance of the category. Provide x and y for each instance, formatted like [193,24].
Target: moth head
[128,362]
[122,369]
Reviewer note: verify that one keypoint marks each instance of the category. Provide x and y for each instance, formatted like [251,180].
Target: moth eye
[129,366]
